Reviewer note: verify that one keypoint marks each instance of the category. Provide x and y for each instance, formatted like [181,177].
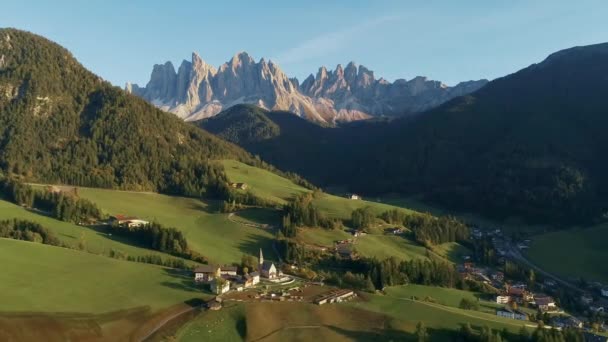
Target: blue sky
[450,41]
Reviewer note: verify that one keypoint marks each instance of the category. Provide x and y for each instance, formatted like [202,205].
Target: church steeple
[261,260]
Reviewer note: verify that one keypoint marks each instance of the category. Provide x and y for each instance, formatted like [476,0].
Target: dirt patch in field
[309,322]
[124,325]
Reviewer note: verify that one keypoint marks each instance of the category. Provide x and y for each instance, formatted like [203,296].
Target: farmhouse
[518,294]
[267,268]
[334,297]
[545,303]
[228,270]
[241,186]
[129,221]
[502,299]
[512,314]
[354,197]
[251,279]
[206,273]
[220,286]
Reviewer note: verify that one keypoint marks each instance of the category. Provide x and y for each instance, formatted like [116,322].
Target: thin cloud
[328,42]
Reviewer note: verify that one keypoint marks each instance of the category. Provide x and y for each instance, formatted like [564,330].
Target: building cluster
[240,186]
[222,279]
[128,221]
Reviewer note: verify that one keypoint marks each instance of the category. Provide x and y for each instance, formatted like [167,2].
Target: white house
[354,197]
[502,299]
[220,286]
[228,270]
[206,273]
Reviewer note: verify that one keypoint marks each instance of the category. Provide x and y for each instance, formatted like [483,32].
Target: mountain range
[198,90]
[531,144]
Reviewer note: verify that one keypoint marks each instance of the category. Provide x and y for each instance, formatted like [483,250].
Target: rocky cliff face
[198,90]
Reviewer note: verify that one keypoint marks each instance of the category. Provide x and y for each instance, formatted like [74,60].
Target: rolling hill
[60,123]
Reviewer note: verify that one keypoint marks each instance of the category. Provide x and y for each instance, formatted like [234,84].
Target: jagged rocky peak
[199,90]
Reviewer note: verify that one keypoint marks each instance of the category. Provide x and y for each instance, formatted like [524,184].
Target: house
[129,221]
[395,231]
[267,268]
[518,293]
[228,270]
[512,314]
[587,299]
[354,197]
[545,303]
[567,322]
[597,309]
[251,279]
[241,186]
[206,273]
[345,251]
[220,285]
[604,292]
[498,276]
[502,299]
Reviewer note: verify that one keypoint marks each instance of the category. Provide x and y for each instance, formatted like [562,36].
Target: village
[515,299]
[520,301]
[267,283]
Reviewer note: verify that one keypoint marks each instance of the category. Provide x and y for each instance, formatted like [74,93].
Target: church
[267,268]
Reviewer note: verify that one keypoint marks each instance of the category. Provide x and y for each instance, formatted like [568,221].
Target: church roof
[267,265]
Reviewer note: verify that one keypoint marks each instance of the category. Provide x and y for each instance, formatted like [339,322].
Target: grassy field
[378,318]
[435,316]
[273,187]
[71,234]
[263,183]
[208,232]
[229,324]
[588,256]
[384,246]
[452,251]
[44,278]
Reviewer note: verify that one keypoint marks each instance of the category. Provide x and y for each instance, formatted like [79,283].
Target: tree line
[27,231]
[157,237]
[301,212]
[428,229]
[63,206]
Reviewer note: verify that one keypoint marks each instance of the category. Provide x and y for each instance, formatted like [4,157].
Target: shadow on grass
[182,280]
[252,243]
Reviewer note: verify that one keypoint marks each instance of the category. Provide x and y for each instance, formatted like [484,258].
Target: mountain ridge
[198,90]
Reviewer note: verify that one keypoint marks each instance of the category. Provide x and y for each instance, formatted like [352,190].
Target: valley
[239,204]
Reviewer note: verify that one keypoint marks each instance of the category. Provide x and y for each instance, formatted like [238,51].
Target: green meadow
[588,260]
[95,241]
[208,232]
[44,278]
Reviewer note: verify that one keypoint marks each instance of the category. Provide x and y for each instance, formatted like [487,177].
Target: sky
[450,41]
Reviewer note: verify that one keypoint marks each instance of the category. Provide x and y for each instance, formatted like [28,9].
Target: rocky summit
[198,90]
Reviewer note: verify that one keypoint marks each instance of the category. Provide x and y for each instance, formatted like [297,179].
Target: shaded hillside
[529,144]
[61,123]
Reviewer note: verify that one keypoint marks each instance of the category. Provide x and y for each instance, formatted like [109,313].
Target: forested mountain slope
[529,144]
[60,123]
